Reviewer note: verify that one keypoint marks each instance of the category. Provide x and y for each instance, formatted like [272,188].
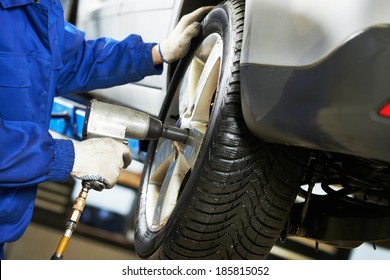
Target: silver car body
[153,20]
[302,32]
[277,32]
[295,34]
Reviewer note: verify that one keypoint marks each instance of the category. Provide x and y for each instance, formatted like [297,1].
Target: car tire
[235,192]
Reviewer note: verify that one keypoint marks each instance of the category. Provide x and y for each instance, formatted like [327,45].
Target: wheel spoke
[197,114]
[207,85]
[169,190]
[163,157]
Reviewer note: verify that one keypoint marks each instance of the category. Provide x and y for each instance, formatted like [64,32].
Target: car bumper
[330,105]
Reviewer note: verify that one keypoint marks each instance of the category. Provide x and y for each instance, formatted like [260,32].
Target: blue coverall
[41,57]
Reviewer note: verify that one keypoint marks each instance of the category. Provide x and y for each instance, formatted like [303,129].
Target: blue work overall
[41,57]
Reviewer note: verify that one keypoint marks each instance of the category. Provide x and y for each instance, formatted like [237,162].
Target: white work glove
[178,42]
[100,159]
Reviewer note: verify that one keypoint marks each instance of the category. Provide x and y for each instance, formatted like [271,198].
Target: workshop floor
[39,242]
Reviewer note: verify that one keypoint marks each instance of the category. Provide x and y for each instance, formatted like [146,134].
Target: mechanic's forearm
[105,62]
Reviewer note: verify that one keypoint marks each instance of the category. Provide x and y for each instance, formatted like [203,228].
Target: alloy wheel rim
[173,161]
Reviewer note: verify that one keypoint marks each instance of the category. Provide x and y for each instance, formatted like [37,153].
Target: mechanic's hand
[100,159]
[177,44]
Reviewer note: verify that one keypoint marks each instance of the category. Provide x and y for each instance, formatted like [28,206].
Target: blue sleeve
[102,63]
[29,155]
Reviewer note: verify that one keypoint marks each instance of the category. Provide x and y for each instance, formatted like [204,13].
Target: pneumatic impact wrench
[120,123]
